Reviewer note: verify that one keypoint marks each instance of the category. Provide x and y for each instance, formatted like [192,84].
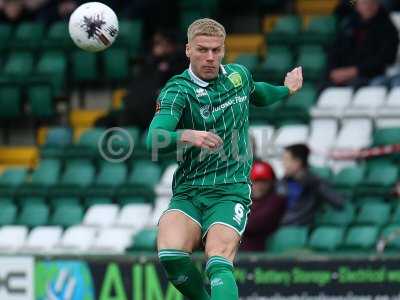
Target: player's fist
[201,139]
[294,80]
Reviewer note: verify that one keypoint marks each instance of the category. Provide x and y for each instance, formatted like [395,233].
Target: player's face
[205,54]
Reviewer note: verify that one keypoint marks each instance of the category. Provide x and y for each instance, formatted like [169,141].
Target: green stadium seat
[288,238]
[326,238]
[52,66]
[110,176]
[320,30]
[90,201]
[145,173]
[386,136]
[64,201]
[33,215]
[144,240]
[341,218]
[5,34]
[58,137]
[27,200]
[396,215]
[250,61]
[130,36]
[10,102]
[286,30]
[130,193]
[313,61]
[4,200]
[8,213]
[68,215]
[116,64]
[28,35]
[322,172]
[84,67]
[361,238]
[374,214]
[392,233]
[19,66]
[57,37]
[361,201]
[379,179]
[40,99]
[347,179]
[278,62]
[13,177]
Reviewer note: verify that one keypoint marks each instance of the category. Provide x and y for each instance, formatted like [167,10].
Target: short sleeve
[171,101]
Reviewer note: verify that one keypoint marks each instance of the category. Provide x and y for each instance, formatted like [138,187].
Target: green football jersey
[221,106]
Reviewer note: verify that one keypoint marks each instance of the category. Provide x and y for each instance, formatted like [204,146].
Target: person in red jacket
[268,208]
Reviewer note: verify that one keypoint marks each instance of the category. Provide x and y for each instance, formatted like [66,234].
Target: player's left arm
[265,94]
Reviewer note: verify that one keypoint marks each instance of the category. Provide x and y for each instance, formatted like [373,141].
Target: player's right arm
[163,135]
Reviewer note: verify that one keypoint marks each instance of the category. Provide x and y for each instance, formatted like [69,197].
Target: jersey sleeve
[171,101]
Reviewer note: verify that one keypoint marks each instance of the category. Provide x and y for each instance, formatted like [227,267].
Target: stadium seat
[323,134]
[116,64]
[144,240]
[10,101]
[278,62]
[338,218]
[67,215]
[361,238]
[12,237]
[58,137]
[52,66]
[33,214]
[28,35]
[76,239]
[374,214]
[392,234]
[366,102]
[5,34]
[8,213]
[288,238]
[332,102]
[42,239]
[320,30]
[313,61]
[354,134]
[286,30]
[130,36]
[11,179]
[145,173]
[40,99]
[19,66]
[110,176]
[164,188]
[63,201]
[101,215]
[134,216]
[392,105]
[386,136]
[84,67]
[57,37]
[396,215]
[290,134]
[361,201]
[379,179]
[112,240]
[262,135]
[27,200]
[347,179]
[326,238]
[322,172]
[250,61]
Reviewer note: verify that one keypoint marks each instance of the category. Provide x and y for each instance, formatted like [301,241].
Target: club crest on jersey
[200,92]
[236,79]
[205,111]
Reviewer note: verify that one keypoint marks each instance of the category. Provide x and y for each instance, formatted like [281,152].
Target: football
[93,26]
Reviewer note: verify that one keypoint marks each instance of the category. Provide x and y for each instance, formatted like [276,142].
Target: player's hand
[294,80]
[201,139]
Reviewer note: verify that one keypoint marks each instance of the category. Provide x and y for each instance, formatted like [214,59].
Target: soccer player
[203,114]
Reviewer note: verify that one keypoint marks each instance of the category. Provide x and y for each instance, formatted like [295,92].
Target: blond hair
[206,26]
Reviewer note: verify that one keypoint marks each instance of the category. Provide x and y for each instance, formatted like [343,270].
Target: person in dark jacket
[267,208]
[304,191]
[366,45]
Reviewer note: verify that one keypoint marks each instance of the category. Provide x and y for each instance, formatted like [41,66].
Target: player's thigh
[178,231]
[222,240]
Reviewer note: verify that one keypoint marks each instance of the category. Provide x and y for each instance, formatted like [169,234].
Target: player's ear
[187,50]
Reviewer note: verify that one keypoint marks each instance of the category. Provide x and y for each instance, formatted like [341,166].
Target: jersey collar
[200,81]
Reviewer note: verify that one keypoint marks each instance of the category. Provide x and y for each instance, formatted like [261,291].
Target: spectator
[366,44]
[268,208]
[304,191]
[164,61]
[13,11]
